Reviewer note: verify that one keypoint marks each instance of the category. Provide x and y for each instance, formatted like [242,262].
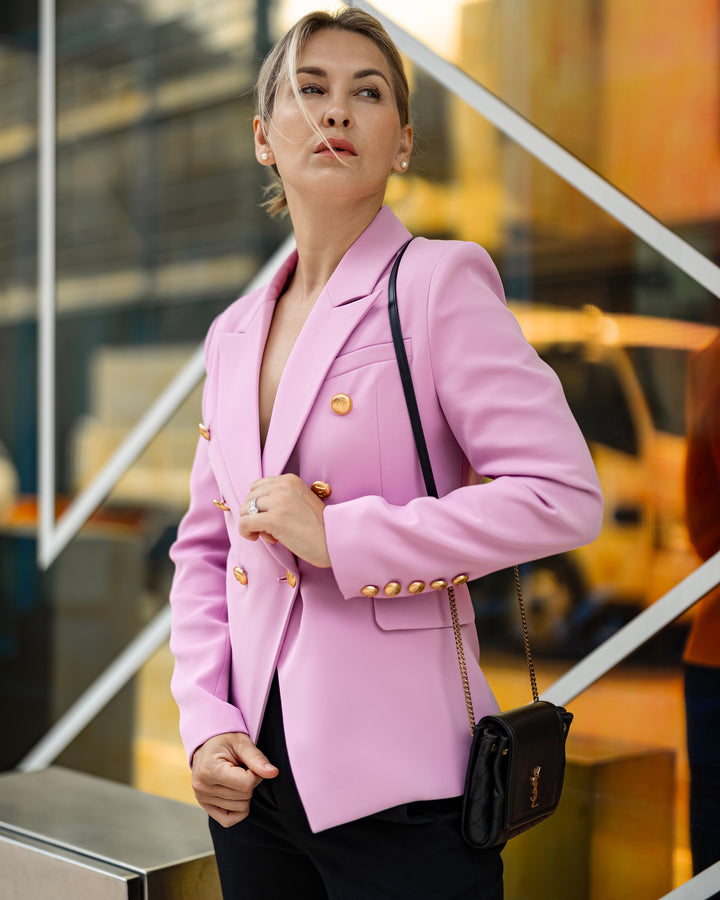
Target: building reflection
[159,228]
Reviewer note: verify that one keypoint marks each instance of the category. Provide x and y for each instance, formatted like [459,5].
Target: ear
[263,151]
[402,157]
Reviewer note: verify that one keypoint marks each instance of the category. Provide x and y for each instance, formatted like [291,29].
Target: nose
[336,116]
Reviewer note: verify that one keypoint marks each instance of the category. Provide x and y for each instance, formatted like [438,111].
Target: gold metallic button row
[393,588]
[321,488]
[339,403]
[242,576]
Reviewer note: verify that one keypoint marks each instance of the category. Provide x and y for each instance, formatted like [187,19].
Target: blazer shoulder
[432,252]
[441,262]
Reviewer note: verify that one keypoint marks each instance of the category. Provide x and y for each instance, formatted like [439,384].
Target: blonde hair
[281,63]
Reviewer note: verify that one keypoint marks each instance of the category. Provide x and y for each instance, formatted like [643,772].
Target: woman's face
[346,88]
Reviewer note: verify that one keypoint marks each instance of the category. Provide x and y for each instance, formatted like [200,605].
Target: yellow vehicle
[624,379]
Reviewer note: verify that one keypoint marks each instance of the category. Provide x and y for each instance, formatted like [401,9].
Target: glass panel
[159,228]
[625,791]
[159,224]
[630,89]
[23,615]
[111,582]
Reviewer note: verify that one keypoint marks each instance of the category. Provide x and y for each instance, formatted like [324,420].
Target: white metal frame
[46,277]
[53,536]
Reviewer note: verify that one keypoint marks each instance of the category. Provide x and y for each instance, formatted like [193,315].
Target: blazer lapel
[239,357]
[326,330]
[348,295]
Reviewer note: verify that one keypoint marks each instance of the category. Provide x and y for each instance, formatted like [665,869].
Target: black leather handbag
[516,767]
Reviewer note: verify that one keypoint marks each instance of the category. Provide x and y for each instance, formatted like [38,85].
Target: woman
[316,672]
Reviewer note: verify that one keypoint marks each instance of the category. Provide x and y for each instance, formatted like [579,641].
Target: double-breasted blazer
[373,705]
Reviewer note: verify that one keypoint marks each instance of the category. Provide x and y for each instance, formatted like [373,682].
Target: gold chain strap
[526,637]
[461,652]
[461,657]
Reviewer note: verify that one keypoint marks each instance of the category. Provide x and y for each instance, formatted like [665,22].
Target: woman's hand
[226,769]
[288,512]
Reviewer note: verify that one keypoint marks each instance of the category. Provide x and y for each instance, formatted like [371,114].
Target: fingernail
[268,765]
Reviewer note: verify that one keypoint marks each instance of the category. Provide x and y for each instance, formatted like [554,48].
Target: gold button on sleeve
[438,585]
[370,590]
[321,489]
[341,404]
[416,587]
[291,578]
[205,432]
[460,579]
[392,588]
[221,504]
[240,575]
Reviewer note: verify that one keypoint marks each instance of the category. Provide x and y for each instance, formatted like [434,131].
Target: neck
[323,235]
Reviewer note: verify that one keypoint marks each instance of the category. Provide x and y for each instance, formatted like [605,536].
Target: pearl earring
[263,156]
[403,164]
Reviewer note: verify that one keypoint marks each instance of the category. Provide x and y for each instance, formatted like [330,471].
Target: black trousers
[410,852]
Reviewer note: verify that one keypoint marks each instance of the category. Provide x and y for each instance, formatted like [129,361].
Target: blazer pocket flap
[422,611]
[366,356]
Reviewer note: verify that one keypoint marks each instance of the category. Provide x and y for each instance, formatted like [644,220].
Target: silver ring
[253,510]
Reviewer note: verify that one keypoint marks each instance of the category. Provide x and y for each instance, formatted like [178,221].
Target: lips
[339,145]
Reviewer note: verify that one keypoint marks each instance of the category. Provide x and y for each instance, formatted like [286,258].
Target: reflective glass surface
[630,89]
[159,227]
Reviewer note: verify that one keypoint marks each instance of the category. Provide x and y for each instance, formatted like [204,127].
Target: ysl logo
[534,782]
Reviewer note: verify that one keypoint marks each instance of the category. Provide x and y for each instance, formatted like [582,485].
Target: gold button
[460,579]
[291,579]
[240,575]
[221,504]
[416,587]
[392,588]
[341,404]
[205,432]
[370,590]
[438,585]
[321,488]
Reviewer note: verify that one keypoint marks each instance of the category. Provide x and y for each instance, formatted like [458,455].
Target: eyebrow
[363,73]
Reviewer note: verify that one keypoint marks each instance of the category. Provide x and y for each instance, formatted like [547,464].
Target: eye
[371,92]
[310,89]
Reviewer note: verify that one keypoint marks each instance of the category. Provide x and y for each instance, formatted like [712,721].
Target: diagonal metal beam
[703,886]
[99,694]
[554,156]
[57,536]
[644,626]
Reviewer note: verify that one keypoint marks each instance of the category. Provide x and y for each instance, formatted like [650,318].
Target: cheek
[289,126]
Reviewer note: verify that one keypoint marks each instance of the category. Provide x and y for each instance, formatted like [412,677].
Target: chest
[285,327]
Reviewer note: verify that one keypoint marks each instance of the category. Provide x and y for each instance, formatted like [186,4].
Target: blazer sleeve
[200,639]
[508,413]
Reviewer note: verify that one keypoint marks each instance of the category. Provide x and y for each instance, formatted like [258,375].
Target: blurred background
[159,228]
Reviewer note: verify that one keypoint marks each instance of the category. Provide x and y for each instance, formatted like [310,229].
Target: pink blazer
[373,704]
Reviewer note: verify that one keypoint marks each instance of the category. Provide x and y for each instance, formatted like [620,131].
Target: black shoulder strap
[406,378]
